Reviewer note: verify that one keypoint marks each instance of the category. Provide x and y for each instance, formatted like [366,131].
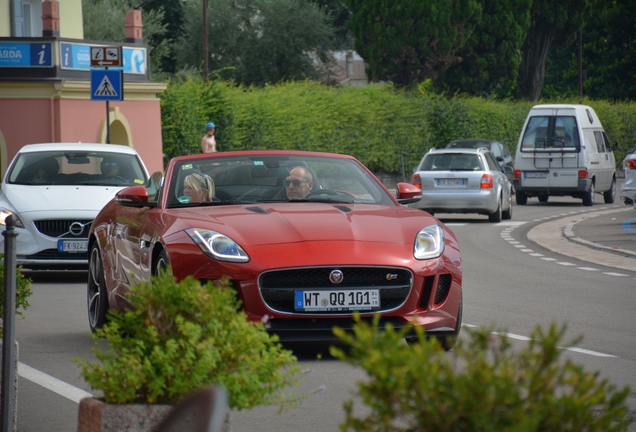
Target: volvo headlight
[429,242]
[218,246]
[4,214]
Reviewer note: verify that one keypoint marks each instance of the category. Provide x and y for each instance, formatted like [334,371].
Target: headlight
[429,242]
[217,245]
[4,214]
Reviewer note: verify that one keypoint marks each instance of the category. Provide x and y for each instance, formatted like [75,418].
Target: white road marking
[615,274]
[587,268]
[55,385]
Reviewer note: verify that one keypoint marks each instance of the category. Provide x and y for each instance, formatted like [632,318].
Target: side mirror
[507,169]
[616,146]
[407,193]
[133,196]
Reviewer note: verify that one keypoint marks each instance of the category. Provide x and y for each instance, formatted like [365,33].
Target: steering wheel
[328,192]
[116,177]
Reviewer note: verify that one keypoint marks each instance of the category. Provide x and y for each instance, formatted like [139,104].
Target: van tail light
[517,174]
[630,164]
[486,181]
[582,174]
[416,180]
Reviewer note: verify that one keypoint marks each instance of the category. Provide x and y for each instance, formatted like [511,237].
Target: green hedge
[382,126]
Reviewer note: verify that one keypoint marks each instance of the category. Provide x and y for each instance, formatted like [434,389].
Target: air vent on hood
[343,209]
[257,210]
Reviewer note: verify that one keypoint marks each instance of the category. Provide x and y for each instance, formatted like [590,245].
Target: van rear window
[551,133]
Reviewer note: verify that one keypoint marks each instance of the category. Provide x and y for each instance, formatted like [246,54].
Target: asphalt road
[512,277]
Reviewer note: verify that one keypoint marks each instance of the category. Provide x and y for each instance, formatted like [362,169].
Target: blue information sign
[107,85]
[78,57]
[26,54]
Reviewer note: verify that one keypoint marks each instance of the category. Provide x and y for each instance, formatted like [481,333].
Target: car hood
[300,222]
[24,199]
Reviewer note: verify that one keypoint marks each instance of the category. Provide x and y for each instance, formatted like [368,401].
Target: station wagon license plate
[535,174]
[72,246]
[451,182]
[336,300]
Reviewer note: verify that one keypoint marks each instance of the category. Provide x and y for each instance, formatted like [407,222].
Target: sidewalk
[606,237]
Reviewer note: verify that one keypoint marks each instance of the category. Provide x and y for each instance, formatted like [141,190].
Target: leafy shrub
[22,292]
[386,128]
[482,385]
[180,337]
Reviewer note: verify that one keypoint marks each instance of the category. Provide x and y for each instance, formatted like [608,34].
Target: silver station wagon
[463,181]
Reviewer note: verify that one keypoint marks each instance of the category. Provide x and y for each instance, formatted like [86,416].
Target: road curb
[568,232]
[558,236]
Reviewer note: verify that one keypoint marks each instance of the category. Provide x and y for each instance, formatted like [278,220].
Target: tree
[552,22]
[411,40]
[337,16]
[104,21]
[259,41]
[609,53]
[491,57]
[172,12]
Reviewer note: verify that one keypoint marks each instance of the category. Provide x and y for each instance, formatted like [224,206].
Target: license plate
[340,300]
[72,246]
[451,182]
[535,174]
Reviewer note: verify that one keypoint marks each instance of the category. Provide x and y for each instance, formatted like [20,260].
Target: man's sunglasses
[296,183]
[110,164]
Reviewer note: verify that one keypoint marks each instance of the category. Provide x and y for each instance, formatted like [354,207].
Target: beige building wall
[5,23]
[71,23]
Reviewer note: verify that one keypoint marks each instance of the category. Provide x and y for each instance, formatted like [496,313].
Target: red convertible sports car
[305,238]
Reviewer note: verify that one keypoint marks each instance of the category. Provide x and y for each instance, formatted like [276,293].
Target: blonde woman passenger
[199,187]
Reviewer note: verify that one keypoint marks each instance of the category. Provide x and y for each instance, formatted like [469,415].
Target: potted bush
[22,293]
[179,337]
[484,384]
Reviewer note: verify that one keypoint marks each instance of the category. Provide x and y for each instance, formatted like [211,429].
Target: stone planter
[14,421]
[97,416]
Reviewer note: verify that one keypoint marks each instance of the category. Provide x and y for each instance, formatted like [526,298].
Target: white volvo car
[54,191]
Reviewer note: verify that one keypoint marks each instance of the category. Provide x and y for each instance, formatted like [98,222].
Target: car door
[600,165]
[499,178]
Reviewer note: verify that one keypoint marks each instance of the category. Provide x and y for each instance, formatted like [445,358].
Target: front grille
[61,228]
[278,287]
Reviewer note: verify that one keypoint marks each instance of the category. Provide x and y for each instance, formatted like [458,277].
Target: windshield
[72,168]
[551,133]
[272,178]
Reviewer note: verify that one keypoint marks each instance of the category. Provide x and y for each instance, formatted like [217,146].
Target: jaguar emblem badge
[336,276]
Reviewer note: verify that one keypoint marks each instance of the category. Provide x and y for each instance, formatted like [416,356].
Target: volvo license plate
[337,300]
[72,246]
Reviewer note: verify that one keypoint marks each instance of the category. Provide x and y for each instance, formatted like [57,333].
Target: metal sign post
[106,85]
[8,326]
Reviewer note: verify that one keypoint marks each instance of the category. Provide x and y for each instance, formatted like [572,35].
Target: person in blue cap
[208,143]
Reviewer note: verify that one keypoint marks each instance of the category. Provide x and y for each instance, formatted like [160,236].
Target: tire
[588,197]
[161,264]
[507,214]
[496,215]
[521,197]
[449,341]
[96,292]
[544,198]
[610,195]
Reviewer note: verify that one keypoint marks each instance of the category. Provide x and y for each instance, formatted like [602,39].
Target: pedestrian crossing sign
[107,85]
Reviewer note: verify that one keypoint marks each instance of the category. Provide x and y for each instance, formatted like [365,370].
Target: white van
[563,151]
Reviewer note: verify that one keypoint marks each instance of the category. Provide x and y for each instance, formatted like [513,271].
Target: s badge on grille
[336,276]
